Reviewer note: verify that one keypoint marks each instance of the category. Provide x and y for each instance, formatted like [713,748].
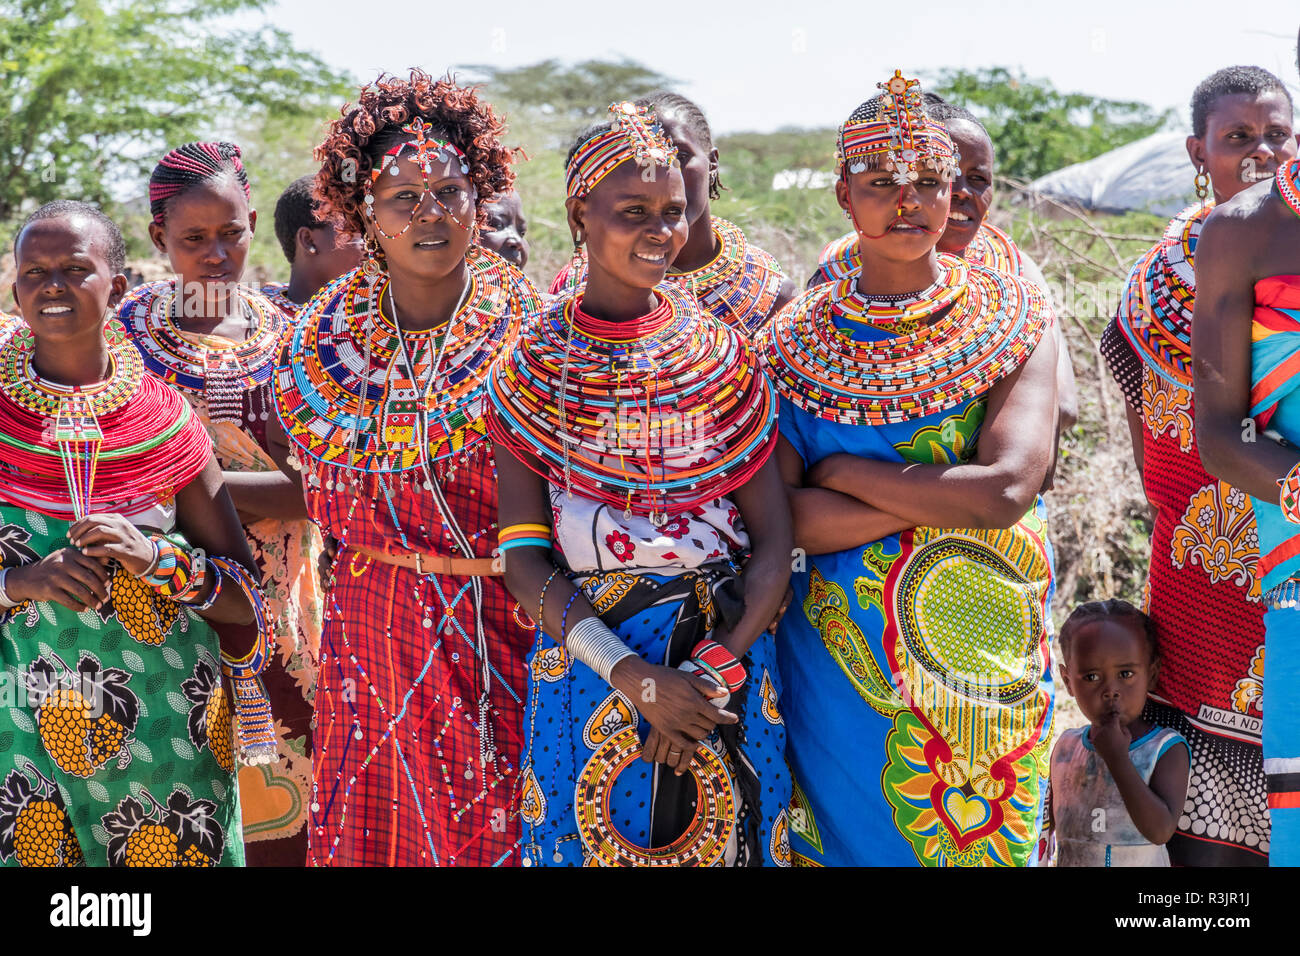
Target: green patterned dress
[115,730]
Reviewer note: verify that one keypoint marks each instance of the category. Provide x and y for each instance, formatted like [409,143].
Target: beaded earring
[575,261]
[370,267]
[114,331]
[1202,184]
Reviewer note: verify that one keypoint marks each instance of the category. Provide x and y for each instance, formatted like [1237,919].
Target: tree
[1038,129]
[94,92]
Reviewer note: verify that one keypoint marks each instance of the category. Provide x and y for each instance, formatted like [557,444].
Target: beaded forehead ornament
[896,127]
[634,134]
[423,150]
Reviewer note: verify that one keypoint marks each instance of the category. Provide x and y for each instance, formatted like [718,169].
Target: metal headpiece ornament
[897,131]
[423,150]
[634,134]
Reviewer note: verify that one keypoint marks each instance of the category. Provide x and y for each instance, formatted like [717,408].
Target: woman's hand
[67,577]
[675,704]
[112,537]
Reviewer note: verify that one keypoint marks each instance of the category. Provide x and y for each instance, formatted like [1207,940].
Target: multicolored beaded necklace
[990,328]
[739,285]
[1155,313]
[276,292]
[651,416]
[902,314]
[346,398]
[1287,183]
[991,248]
[69,448]
[220,374]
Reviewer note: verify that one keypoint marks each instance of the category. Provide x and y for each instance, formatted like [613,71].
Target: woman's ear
[158,237]
[1196,152]
[576,208]
[842,193]
[252,220]
[119,287]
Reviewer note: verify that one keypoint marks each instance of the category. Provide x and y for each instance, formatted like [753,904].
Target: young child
[1118,786]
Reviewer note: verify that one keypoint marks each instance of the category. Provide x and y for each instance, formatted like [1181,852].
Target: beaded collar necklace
[1286,181]
[902,314]
[339,400]
[220,373]
[276,292]
[652,420]
[987,333]
[1155,312]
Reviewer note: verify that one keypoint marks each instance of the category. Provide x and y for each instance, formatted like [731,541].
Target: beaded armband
[720,663]
[175,572]
[1289,499]
[523,536]
[253,717]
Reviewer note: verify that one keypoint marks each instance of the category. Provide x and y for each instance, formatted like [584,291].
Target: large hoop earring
[1202,184]
[370,266]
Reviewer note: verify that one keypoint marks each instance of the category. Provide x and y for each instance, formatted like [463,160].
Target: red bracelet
[714,657]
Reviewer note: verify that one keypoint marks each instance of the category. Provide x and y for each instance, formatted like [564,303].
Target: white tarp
[1150,175]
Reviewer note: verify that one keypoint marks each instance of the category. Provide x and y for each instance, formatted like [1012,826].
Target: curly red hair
[354,142]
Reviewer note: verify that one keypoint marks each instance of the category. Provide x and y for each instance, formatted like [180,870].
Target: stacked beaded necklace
[739,285]
[219,374]
[992,324]
[275,291]
[67,449]
[612,410]
[1287,183]
[991,248]
[1155,314]
[348,398]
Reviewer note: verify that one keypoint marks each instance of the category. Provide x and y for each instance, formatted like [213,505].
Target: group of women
[673,565]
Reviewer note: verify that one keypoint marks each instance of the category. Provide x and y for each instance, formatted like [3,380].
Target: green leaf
[133,660]
[178,703]
[163,773]
[97,791]
[183,748]
[173,658]
[156,682]
[22,720]
[6,741]
[140,752]
[67,637]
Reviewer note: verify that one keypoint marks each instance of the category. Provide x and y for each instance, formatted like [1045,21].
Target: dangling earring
[1202,185]
[114,330]
[577,265]
[846,214]
[370,267]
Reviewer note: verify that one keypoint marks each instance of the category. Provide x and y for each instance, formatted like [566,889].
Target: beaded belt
[423,563]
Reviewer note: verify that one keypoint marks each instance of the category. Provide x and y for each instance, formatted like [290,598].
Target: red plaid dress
[397,778]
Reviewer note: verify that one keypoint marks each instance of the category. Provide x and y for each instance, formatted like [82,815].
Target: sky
[765,64]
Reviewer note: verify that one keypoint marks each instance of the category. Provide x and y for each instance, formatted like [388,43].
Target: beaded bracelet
[564,618]
[716,659]
[174,571]
[523,536]
[1289,499]
[541,601]
[6,602]
[257,740]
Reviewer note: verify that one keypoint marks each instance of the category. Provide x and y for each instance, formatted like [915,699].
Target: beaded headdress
[423,150]
[634,134]
[896,128]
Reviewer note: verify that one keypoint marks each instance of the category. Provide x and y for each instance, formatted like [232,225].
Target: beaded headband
[424,151]
[634,133]
[901,132]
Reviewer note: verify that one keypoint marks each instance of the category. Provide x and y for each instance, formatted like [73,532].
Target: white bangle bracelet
[6,602]
[594,644]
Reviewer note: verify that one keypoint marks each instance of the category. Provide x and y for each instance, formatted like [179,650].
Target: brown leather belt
[423,563]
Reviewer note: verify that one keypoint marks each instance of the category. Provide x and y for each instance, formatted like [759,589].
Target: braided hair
[693,118]
[293,210]
[188,166]
[1110,608]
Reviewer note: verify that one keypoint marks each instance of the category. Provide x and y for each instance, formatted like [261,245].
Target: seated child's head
[505,229]
[1110,659]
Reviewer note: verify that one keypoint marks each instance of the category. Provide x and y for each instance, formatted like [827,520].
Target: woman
[1202,595]
[732,278]
[505,228]
[419,714]
[970,235]
[1244,347]
[112,515]
[641,430]
[215,341]
[916,430]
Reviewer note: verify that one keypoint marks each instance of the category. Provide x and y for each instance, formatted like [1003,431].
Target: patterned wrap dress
[1202,594]
[202,368]
[588,799]
[917,687]
[1275,405]
[739,286]
[116,743]
[399,776]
